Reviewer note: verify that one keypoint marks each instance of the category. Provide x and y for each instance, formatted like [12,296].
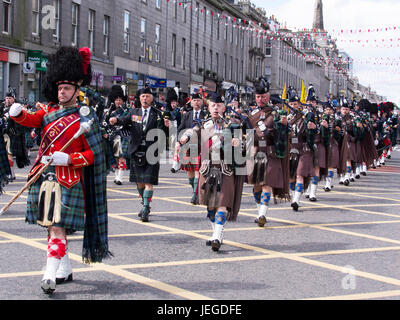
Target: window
[143,23]
[231,69]
[184,13]
[127,18]
[212,26]
[236,70]
[211,61]
[196,58]
[56,33]
[205,19]
[183,53]
[204,59]
[158,4]
[175,15]
[268,48]
[75,26]
[217,62]
[6,17]
[226,30]
[197,15]
[106,34]
[158,42]
[242,71]
[91,26]
[218,23]
[35,17]
[225,66]
[173,50]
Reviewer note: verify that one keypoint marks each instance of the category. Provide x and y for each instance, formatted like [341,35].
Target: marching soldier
[70,194]
[14,136]
[191,163]
[219,187]
[119,136]
[145,159]
[302,150]
[269,173]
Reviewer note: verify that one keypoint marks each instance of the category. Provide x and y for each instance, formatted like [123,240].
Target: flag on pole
[284,93]
[303,98]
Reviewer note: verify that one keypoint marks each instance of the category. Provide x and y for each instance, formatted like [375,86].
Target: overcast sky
[354,15]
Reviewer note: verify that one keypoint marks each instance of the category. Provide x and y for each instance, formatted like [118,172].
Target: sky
[376,63]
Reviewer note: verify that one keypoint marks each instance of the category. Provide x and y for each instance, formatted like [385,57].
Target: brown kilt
[368,149]
[306,164]
[321,156]
[334,157]
[230,195]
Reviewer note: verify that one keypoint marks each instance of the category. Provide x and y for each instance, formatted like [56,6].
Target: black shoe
[313,199]
[389,157]
[208,243]
[145,214]
[215,245]
[358,176]
[352,179]
[295,206]
[307,196]
[327,189]
[364,173]
[262,221]
[194,200]
[62,280]
[346,183]
[341,182]
[119,183]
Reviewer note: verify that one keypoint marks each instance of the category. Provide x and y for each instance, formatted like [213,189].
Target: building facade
[161,43]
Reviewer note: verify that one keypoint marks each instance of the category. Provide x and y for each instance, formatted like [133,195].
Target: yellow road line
[290,256]
[117,271]
[362,296]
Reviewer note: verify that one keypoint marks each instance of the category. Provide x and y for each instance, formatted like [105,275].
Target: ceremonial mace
[84,128]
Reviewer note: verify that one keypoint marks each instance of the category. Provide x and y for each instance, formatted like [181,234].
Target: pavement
[345,246]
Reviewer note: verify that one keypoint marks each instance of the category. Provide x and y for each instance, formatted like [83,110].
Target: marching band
[283,148]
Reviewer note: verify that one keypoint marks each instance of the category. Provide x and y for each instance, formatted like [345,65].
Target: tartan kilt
[28,139]
[125,147]
[144,174]
[72,206]
[191,164]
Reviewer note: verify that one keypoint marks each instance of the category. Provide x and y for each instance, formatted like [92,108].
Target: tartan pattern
[56,248]
[72,205]
[146,174]
[28,139]
[125,147]
[95,240]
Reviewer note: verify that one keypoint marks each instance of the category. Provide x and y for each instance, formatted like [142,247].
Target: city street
[345,246]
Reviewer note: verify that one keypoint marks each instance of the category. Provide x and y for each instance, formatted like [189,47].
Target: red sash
[55,132]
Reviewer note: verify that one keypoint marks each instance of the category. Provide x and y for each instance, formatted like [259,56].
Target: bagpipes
[96,98]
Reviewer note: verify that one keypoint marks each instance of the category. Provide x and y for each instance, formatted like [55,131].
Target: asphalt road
[345,246]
